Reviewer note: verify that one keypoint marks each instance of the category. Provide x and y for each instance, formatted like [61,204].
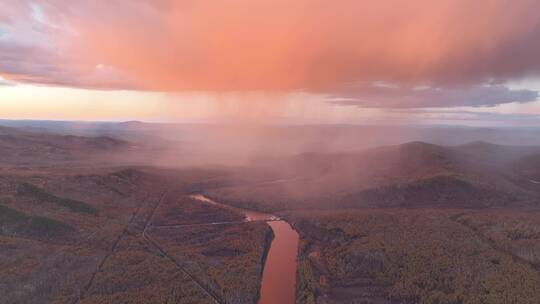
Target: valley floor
[122,236]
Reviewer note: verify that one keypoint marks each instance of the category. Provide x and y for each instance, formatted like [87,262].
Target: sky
[303,61]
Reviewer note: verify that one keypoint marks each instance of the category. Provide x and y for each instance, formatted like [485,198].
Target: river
[278,284]
[279,275]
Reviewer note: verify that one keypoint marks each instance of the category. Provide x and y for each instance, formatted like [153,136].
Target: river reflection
[278,284]
[279,276]
[249,215]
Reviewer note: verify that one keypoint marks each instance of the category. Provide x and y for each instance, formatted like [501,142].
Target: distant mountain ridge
[22,145]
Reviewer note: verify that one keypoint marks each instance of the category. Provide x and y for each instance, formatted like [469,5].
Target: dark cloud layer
[523,119]
[385,96]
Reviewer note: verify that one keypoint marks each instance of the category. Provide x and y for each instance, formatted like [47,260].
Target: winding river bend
[279,275]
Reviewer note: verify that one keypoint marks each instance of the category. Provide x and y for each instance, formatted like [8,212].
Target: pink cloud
[311,44]
[282,45]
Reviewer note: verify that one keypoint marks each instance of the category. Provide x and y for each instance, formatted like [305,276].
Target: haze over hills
[315,135]
[413,174]
[115,219]
[20,145]
[409,174]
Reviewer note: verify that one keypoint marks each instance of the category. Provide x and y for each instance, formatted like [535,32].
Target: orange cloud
[461,52]
[237,45]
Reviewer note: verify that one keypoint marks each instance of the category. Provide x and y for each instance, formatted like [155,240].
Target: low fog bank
[241,144]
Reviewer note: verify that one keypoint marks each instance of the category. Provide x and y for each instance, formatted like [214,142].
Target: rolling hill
[19,146]
[415,174]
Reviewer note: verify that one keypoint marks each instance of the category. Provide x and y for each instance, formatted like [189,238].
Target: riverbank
[267,244]
[278,284]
